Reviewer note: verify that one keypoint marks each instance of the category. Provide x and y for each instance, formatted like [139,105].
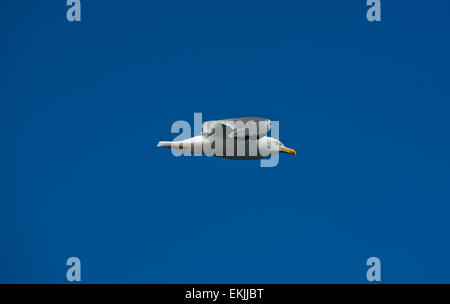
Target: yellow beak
[290,151]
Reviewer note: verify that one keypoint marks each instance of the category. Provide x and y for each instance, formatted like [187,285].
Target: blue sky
[82,106]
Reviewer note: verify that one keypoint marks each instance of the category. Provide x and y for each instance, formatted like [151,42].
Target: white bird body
[227,139]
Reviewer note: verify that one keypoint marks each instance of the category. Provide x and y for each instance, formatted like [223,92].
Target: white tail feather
[164,143]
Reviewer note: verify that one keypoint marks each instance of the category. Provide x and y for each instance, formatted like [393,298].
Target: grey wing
[238,128]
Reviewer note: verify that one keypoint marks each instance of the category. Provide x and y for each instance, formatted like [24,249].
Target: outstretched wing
[238,128]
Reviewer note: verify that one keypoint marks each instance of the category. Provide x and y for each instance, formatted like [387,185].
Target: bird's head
[277,146]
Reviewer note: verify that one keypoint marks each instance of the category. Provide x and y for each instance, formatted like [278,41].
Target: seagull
[234,138]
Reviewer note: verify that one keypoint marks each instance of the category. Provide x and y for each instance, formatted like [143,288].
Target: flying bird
[234,138]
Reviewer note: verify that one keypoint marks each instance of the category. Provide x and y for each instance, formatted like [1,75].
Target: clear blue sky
[366,106]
